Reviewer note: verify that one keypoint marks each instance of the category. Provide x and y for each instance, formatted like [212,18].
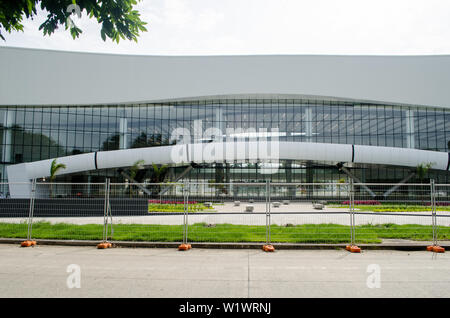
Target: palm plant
[158,173]
[158,176]
[422,170]
[54,168]
[137,165]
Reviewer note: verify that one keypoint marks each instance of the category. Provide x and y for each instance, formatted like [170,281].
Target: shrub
[439,204]
[170,202]
[365,202]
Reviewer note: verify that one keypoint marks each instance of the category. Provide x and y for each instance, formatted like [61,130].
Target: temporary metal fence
[441,215]
[149,211]
[399,212]
[263,212]
[241,217]
[70,211]
[16,215]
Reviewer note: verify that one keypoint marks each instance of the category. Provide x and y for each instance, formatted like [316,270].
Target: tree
[422,170]
[134,169]
[111,143]
[118,19]
[140,141]
[42,146]
[159,173]
[158,176]
[54,168]
[152,140]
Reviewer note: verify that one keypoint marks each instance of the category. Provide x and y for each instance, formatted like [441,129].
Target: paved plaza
[44,271]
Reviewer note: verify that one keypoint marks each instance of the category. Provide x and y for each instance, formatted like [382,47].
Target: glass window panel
[29,119]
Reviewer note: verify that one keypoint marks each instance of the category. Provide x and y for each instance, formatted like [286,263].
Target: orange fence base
[184,247]
[104,245]
[268,248]
[353,249]
[27,243]
[436,249]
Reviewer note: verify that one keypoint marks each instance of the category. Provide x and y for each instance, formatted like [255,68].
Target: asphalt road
[124,272]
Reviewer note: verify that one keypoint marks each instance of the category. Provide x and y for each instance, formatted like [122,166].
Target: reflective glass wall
[35,133]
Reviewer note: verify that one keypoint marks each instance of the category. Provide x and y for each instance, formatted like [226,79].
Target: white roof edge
[237,96]
[37,77]
[218,55]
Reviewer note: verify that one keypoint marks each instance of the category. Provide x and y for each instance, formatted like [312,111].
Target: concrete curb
[420,246]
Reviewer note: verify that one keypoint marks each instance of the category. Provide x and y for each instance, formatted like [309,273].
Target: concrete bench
[237,203]
[249,208]
[276,204]
[318,206]
[208,204]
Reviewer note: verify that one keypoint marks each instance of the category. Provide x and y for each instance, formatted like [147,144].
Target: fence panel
[442,212]
[228,212]
[237,212]
[309,213]
[147,211]
[14,212]
[69,211]
[401,195]
[389,212]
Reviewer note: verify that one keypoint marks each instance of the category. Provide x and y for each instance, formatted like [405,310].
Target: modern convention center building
[324,117]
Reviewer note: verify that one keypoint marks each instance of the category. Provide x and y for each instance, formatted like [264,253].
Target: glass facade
[36,133]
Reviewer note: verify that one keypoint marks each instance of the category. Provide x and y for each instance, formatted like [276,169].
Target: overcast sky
[224,27]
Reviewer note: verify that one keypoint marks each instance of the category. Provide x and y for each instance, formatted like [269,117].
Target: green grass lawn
[196,207]
[200,232]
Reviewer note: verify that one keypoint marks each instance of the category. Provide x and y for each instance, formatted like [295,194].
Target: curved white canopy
[220,152]
[43,77]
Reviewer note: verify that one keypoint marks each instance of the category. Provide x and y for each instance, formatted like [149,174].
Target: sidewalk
[124,272]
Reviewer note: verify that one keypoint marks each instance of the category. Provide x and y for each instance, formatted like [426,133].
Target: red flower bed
[170,202]
[364,202]
[440,203]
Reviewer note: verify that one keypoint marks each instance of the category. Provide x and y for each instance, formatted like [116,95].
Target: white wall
[43,77]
